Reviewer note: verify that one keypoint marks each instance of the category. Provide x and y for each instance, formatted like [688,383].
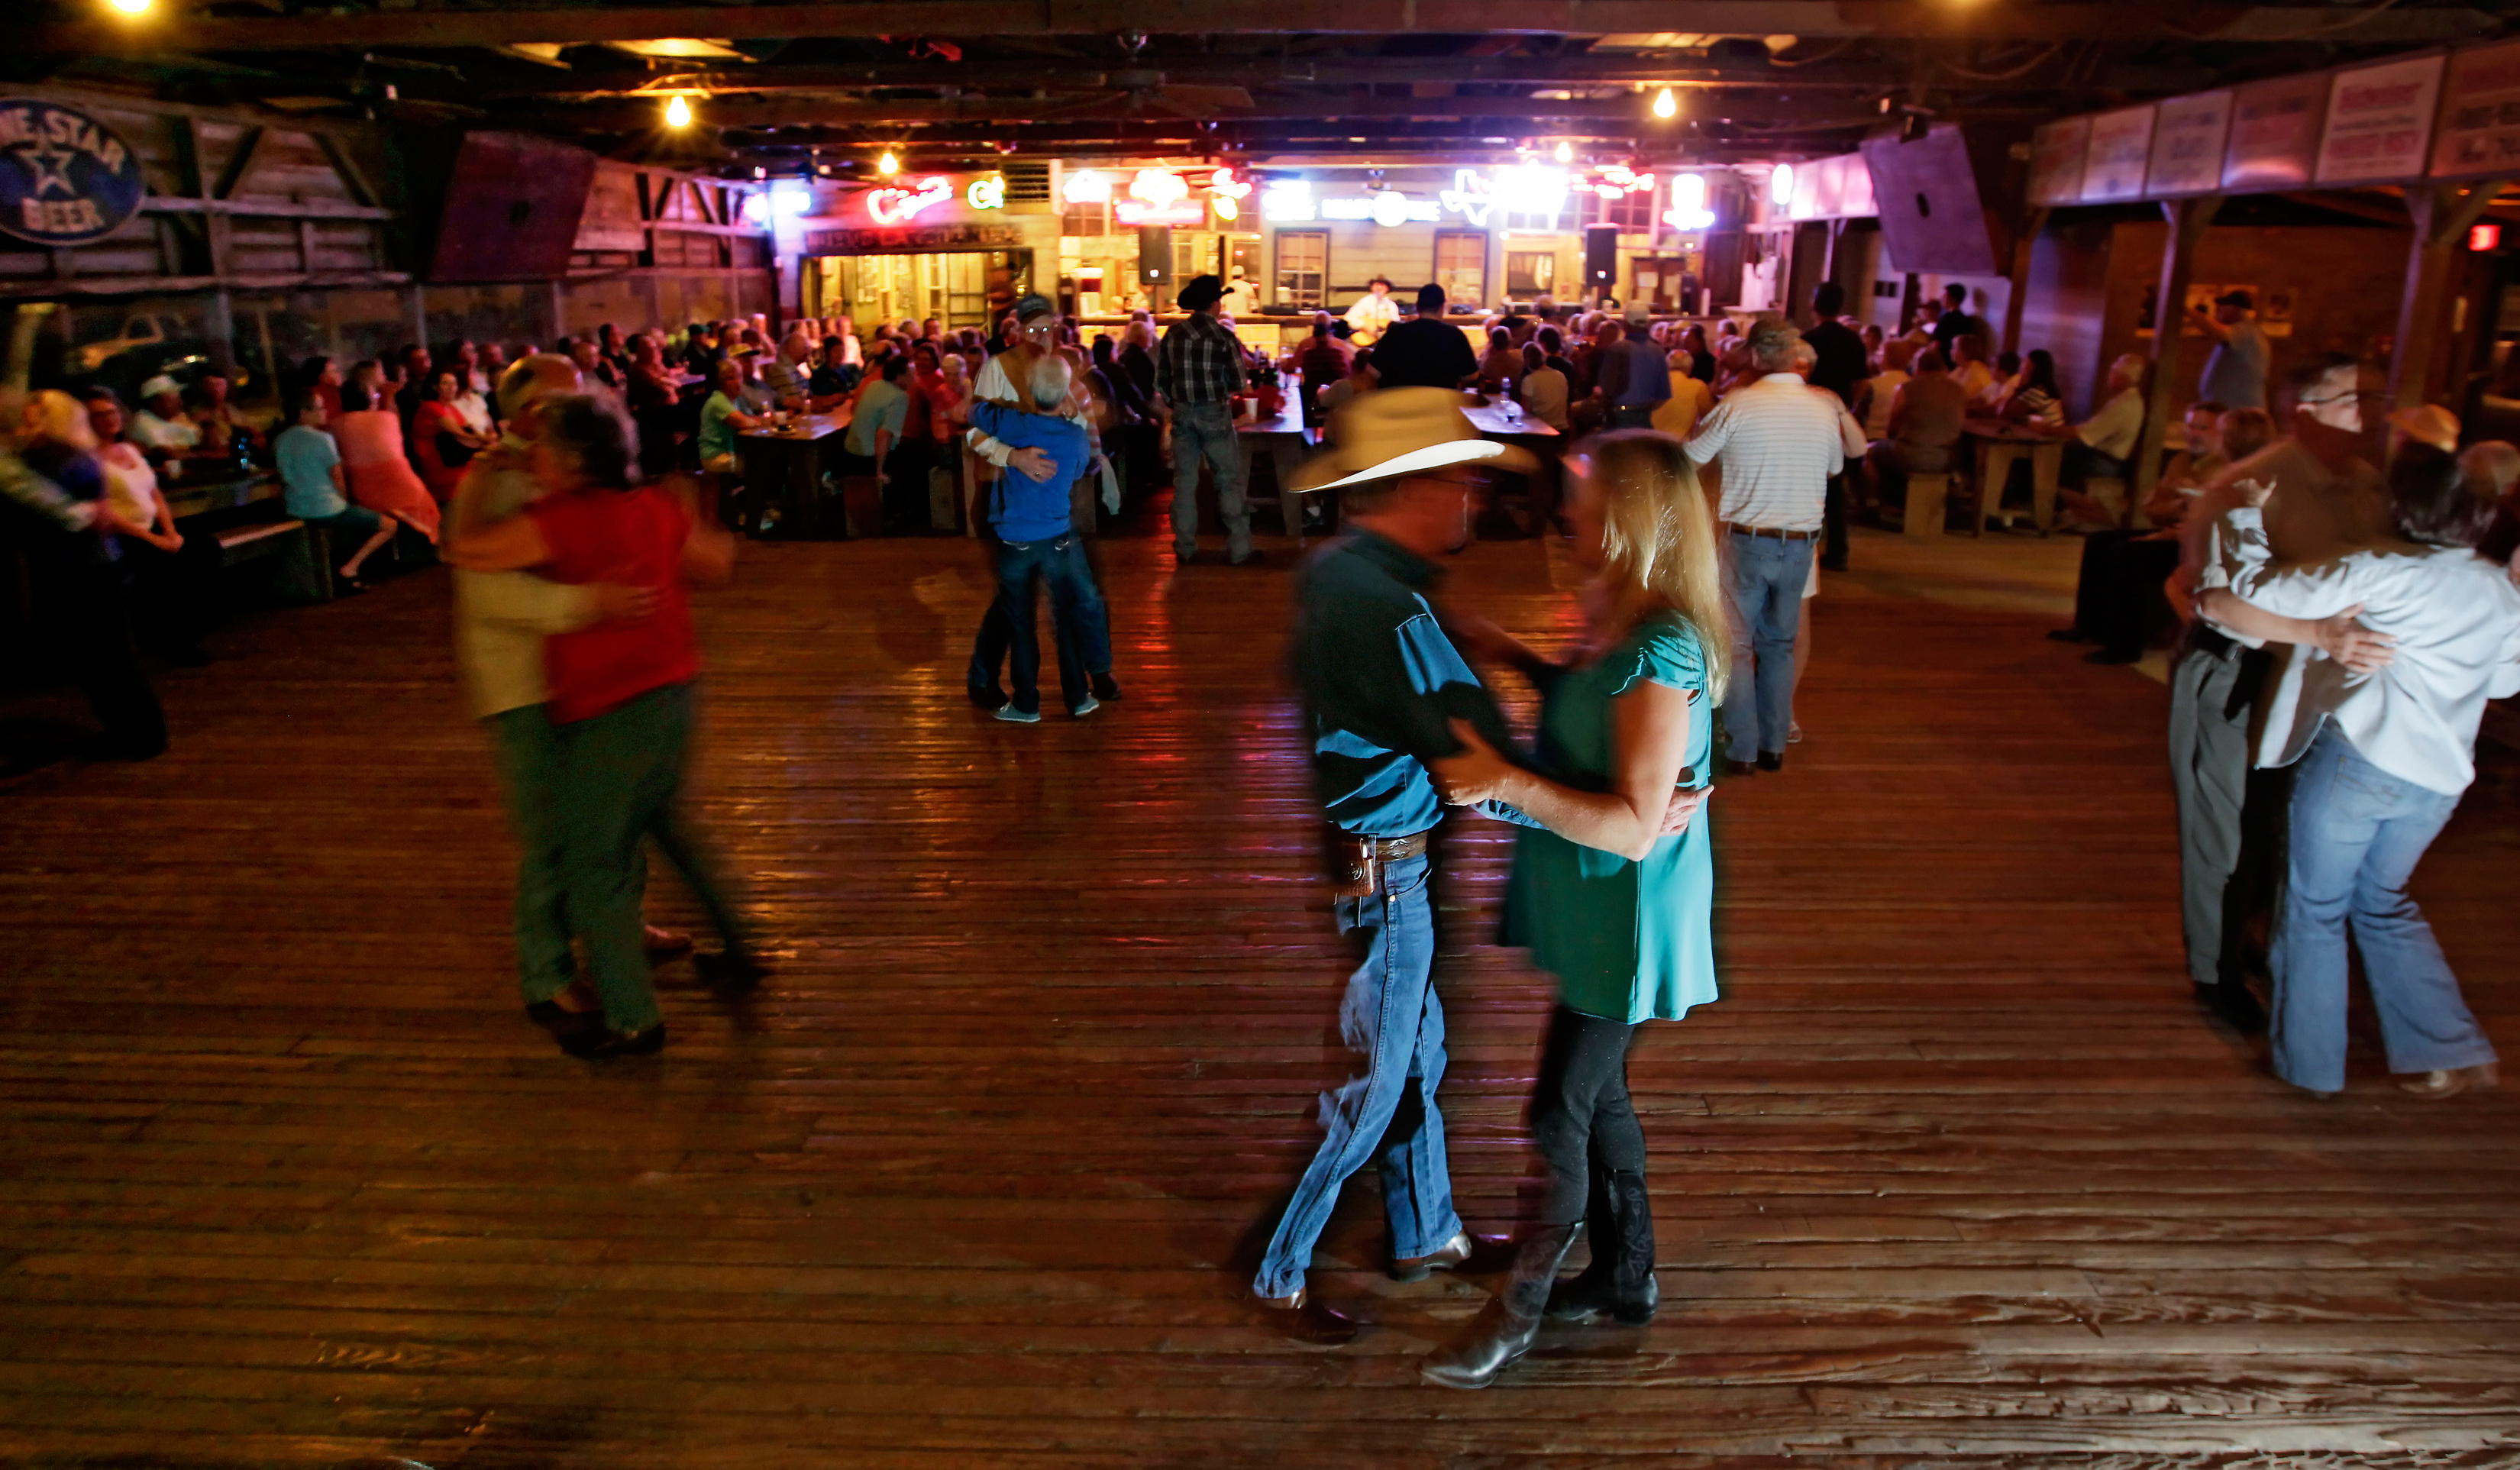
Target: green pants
[529,754]
[620,783]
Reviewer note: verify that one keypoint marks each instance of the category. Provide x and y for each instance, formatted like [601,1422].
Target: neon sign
[1468,197]
[1226,193]
[1086,186]
[1688,209]
[1159,186]
[1136,212]
[1287,202]
[895,203]
[1618,182]
[1385,208]
[986,194]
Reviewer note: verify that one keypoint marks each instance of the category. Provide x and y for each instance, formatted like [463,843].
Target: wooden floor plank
[1954,1174]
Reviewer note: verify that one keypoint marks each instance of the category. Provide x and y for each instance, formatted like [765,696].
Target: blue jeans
[1768,577]
[1084,628]
[1206,431]
[1393,1020]
[2357,836]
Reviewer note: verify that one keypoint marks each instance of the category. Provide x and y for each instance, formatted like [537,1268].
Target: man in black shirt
[1425,351]
[1842,367]
[1957,323]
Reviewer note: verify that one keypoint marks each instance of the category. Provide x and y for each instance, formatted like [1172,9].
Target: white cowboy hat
[1395,432]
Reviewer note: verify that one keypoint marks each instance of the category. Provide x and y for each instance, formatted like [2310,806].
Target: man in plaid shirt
[1198,369]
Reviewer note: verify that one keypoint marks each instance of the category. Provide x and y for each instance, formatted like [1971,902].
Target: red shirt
[609,536]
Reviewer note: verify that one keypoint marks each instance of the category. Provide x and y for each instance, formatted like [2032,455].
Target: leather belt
[1780,535]
[2205,640]
[1356,863]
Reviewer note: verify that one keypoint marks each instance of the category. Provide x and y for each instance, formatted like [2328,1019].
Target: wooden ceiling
[950,79]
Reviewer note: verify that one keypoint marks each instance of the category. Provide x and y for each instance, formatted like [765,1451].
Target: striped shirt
[1780,445]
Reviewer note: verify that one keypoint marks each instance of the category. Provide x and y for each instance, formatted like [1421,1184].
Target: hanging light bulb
[1666,105]
[1565,151]
[678,112]
[888,165]
[130,7]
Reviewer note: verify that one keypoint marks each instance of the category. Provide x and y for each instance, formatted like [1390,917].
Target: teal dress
[1627,941]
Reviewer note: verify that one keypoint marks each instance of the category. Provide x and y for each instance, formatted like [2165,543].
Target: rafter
[1631,112]
[1815,19]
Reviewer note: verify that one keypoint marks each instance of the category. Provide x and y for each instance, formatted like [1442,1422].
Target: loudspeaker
[1930,192]
[1600,258]
[513,204]
[1155,254]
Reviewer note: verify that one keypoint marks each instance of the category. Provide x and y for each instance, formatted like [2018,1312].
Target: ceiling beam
[1272,71]
[1632,113]
[1824,20]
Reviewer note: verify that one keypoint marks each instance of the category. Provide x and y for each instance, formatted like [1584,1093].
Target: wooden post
[2017,285]
[2189,219]
[2442,214]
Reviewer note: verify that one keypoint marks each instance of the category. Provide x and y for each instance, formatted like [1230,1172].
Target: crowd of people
[2346,611]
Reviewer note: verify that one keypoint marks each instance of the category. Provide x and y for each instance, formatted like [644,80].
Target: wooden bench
[300,570]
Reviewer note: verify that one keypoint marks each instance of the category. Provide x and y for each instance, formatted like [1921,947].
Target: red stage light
[2485,237]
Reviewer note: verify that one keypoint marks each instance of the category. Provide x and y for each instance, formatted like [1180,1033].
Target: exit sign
[2485,236]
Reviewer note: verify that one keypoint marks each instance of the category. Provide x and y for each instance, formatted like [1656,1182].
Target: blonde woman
[1605,901]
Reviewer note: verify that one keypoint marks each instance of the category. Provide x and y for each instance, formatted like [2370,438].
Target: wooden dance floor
[1954,1174]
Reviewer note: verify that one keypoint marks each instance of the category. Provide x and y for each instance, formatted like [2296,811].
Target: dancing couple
[574,619]
[1613,884]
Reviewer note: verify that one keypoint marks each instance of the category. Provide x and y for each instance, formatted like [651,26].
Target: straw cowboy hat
[1398,431]
[2429,423]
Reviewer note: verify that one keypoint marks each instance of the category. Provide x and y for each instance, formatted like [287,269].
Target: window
[1632,213]
[1530,273]
[1303,265]
[1462,265]
[1085,219]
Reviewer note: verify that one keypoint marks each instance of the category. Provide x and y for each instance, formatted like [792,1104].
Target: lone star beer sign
[64,178]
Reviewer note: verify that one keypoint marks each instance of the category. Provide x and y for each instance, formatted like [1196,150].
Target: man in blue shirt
[1036,540]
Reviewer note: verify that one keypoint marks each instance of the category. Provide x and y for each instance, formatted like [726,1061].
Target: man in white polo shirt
[1779,443]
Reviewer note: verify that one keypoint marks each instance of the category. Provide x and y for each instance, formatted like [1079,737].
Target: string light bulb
[678,112]
[1665,104]
[130,7]
[1565,151]
[888,165]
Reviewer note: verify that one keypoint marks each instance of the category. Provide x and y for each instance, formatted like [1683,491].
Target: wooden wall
[263,203]
[268,238]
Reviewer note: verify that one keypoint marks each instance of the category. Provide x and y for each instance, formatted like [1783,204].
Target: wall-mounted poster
[2480,115]
[2056,162]
[2120,150]
[2187,138]
[2380,122]
[2274,133]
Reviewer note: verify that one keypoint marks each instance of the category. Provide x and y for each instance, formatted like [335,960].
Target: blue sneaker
[1015,716]
[1090,705]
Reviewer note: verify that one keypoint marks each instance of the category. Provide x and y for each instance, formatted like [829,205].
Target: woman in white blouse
[2380,761]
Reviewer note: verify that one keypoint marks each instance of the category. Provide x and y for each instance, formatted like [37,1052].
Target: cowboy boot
[1620,1281]
[1511,1324]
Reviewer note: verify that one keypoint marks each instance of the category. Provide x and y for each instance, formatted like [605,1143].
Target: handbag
[453,452]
